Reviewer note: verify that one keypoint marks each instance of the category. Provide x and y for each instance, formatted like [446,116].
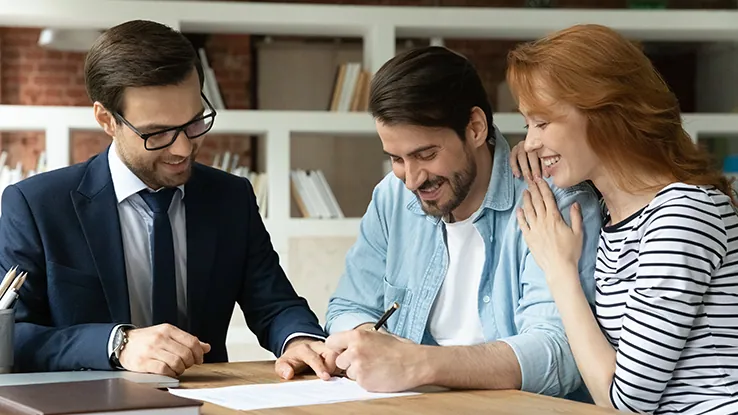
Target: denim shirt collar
[500,191]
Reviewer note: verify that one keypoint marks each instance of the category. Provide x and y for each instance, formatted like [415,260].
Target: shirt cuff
[298,334]
[345,322]
[538,363]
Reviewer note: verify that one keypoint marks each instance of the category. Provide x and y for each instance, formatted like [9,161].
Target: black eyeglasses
[164,138]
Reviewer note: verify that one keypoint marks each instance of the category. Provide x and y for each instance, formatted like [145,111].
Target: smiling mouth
[175,163]
[430,192]
[550,161]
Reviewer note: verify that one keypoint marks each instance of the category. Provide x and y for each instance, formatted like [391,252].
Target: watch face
[118,339]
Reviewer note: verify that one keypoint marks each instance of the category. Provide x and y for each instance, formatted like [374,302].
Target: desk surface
[447,402]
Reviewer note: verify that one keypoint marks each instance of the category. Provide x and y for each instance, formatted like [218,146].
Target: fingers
[576,218]
[315,361]
[549,201]
[159,368]
[205,348]
[514,162]
[522,223]
[343,361]
[329,358]
[284,368]
[191,349]
[351,373]
[536,200]
[524,163]
[313,354]
[529,212]
[534,163]
[171,360]
[340,341]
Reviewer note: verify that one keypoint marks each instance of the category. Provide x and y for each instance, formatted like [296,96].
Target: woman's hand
[555,246]
[524,164]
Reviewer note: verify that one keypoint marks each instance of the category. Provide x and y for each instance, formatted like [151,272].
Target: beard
[154,177]
[460,183]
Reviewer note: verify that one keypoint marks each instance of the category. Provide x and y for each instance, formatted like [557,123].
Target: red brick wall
[31,75]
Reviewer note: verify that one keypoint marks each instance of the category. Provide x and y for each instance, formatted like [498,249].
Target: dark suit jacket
[62,227]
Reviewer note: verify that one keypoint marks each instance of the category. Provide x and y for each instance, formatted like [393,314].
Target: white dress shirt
[136,226]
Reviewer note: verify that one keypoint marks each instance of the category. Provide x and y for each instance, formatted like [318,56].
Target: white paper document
[283,394]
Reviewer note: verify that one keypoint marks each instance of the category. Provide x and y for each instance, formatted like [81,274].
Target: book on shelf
[229,162]
[313,195]
[350,88]
[210,83]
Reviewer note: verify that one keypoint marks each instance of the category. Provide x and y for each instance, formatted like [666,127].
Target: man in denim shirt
[440,237]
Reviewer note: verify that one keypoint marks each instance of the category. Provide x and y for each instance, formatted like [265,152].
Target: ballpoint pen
[387,314]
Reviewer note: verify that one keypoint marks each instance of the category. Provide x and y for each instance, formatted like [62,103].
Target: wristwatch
[119,343]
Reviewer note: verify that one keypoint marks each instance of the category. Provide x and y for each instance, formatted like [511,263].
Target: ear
[477,130]
[105,118]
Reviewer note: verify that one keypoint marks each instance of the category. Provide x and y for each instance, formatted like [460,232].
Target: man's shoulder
[51,183]
[217,178]
[221,185]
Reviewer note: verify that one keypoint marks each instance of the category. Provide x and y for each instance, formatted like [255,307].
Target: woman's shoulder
[696,206]
[698,198]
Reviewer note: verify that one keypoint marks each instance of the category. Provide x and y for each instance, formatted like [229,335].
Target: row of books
[229,162]
[351,88]
[309,188]
[313,195]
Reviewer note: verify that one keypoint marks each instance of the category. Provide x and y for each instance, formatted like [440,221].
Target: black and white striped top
[667,300]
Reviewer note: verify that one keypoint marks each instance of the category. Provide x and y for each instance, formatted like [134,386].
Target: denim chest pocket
[402,296]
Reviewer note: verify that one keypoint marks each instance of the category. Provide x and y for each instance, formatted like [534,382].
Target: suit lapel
[201,243]
[97,211]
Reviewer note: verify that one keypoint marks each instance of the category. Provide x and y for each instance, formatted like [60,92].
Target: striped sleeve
[680,248]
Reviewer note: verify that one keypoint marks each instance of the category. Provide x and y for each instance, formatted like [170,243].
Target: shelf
[339,20]
[299,227]
[34,118]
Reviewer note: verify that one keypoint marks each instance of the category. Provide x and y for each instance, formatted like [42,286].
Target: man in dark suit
[137,257]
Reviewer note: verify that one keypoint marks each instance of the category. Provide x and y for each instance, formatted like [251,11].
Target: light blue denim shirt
[400,255]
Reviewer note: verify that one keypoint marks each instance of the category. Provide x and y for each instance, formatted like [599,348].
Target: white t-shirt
[454,318]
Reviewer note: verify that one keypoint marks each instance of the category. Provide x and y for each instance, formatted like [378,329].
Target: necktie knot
[159,201]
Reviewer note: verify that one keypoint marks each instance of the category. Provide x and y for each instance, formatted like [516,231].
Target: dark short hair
[138,53]
[428,87]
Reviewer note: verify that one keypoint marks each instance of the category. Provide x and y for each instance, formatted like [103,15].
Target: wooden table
[438,402]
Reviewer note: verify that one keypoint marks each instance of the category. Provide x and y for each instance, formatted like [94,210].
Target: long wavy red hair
[634,124]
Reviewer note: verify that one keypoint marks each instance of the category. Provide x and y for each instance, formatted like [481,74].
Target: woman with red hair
[663,336]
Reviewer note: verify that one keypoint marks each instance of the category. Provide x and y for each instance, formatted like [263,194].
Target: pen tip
[395,305]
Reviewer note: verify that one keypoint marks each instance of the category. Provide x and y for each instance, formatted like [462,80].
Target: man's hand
[163,350]
[370,327]
[304,352]
[380,362]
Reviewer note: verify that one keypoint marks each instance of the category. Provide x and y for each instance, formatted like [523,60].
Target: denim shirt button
[485,298]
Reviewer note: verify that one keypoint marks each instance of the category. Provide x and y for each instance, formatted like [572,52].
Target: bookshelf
[378,28]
